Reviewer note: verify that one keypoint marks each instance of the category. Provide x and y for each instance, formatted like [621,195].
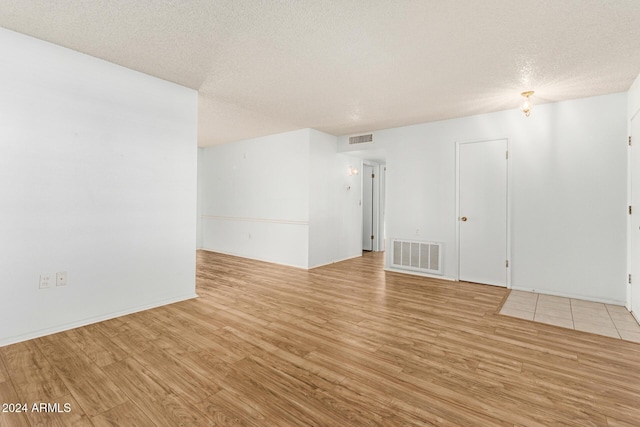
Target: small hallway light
[526,105]
[352,171]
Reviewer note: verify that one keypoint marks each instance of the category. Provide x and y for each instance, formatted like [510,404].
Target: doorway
[368,211]
[634,217]
[373,182]
[483,212]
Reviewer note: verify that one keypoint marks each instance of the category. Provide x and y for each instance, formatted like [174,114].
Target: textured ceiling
[345,67]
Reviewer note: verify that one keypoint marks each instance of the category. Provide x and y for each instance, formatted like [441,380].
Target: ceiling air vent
[361,139]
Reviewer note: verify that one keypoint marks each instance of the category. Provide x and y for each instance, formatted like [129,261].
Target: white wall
[255,196]
[281,198]
[98,179]
[568,163]
[335,218]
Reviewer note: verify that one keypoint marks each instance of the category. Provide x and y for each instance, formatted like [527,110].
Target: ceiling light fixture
[526,105]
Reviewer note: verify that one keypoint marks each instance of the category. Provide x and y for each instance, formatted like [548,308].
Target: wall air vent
[361,139]
[417,256]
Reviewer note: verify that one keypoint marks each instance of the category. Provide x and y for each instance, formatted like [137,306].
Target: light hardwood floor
[341,345]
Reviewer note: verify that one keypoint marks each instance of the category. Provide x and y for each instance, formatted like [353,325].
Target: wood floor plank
[110,327]
[34,377]
[11,417]
[612,422]
[226,408]
[126,414]
[287,381]
[220,413]
[304,363]
[207,365]
[57,414]
[4,375]
[87,382]
[345,344]
[359,409]
[136,381]
[184,382]
[153,396]
[98,347]
[409,390]
[131,341]
[260,391]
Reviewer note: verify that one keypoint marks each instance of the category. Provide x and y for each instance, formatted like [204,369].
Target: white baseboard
[417,273]
[88,321]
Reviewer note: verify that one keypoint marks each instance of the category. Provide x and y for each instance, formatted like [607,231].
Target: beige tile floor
[602,319]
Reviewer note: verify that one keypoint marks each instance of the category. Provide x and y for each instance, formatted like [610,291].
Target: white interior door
[367,207]
[482,212]
[634,170]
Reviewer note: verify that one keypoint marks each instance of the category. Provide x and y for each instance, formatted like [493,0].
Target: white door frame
[509,198]
[630,268]
[633,266]
[382,212]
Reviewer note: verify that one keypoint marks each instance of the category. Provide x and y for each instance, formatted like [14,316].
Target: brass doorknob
[464,218]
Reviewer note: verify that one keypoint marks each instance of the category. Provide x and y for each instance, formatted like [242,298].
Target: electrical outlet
[61,278]
[45,280]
